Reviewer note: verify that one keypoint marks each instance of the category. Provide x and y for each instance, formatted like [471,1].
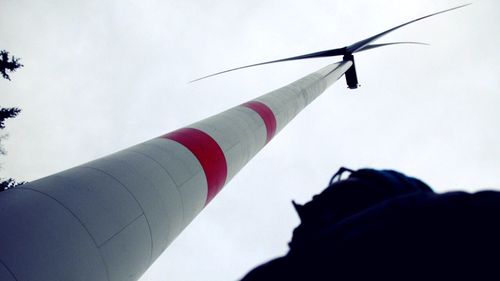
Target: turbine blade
[326,53]
[373,46]
[358,45]
[362,45]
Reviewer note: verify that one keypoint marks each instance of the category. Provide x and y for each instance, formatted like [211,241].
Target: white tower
[109,219]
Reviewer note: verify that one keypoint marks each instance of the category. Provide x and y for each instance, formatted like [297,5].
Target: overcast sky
[103,75]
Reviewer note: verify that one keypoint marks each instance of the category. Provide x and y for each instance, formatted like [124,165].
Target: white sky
[100,76]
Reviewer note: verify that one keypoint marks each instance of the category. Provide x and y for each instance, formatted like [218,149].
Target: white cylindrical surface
[109,219]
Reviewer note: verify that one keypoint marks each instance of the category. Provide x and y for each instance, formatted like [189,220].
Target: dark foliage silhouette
[6,113]
[8,64]
[9,183]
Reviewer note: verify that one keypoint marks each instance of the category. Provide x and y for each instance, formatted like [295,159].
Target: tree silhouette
[7,64]
[6,113]
[9,183]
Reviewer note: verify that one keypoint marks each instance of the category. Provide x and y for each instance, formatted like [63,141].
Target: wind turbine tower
[109,219]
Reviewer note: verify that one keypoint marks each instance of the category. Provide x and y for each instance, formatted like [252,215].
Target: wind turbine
[111,218]
[347,52]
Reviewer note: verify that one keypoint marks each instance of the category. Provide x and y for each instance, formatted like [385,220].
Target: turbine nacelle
[347,52]
[351,78]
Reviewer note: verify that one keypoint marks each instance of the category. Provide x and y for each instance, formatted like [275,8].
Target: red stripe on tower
[266,114]
[208,153]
